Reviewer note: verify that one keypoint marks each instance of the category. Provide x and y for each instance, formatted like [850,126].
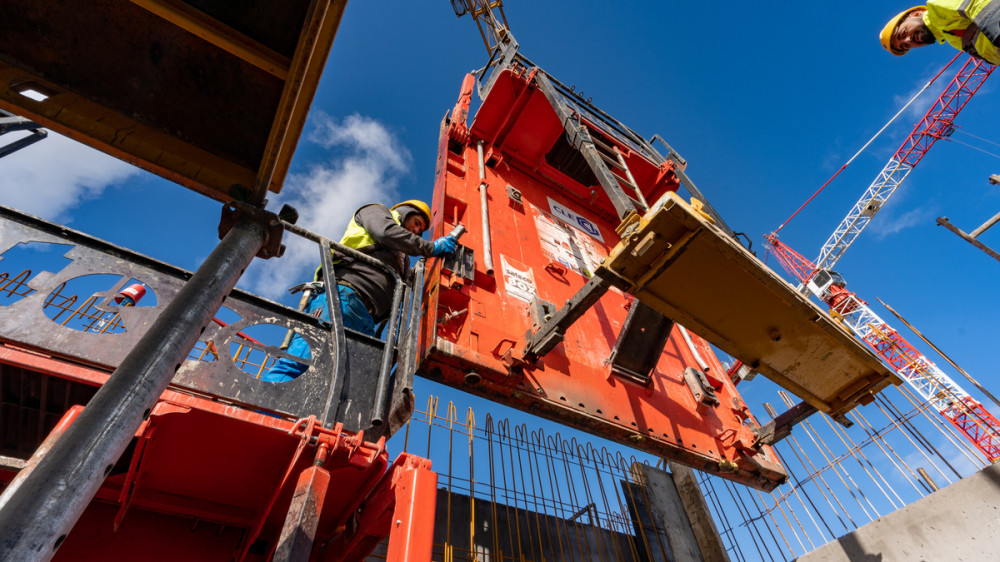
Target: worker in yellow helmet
[972,26]
[365,291]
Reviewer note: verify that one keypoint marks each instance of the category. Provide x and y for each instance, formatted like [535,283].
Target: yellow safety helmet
[886,35]
[416,204]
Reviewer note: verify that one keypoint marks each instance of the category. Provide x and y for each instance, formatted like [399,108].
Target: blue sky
[764,104]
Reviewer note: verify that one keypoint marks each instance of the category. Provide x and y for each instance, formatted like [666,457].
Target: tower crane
[936,124]
[964,412]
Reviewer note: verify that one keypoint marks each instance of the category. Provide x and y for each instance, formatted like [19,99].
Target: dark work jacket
[393,244]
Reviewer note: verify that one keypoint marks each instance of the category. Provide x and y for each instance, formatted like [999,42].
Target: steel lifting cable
[863,148]
[959,129]
[964,132]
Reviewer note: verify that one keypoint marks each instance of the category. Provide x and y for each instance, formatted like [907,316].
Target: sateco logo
[582,223]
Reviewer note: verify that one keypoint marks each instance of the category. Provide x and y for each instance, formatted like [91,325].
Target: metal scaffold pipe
[484,203]
[40,507]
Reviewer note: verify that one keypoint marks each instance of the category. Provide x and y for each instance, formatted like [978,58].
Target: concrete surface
[958,523]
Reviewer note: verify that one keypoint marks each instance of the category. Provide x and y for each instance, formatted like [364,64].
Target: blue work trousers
[356,317]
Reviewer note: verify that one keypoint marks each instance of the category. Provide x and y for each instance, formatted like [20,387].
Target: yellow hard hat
[416,204]
[886,35]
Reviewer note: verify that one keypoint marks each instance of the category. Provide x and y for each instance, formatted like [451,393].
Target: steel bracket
[700,388]
[462,264]
[640,343]
[235,212]
[781,426]
[550,332]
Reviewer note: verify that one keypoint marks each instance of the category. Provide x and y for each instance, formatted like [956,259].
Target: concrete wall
[960,522]
[515,533]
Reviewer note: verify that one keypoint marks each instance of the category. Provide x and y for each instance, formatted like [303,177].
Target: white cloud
[56,174]
[888,223]
[365,165]
[919,108]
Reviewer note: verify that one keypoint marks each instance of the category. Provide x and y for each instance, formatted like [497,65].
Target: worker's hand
[445,245]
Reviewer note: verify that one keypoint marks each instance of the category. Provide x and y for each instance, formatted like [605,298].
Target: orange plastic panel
[547,245]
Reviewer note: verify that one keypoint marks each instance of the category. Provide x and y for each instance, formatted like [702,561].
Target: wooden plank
[678,262]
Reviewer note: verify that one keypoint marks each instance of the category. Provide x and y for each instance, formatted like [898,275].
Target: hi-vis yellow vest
[354,237]
[946,17]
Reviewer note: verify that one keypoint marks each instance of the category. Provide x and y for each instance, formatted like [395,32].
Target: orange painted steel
[550,225]
[208,480]
[402,508]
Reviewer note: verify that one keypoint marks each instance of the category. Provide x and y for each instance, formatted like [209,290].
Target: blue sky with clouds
[765,103]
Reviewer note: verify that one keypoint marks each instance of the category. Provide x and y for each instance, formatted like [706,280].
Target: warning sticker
[567,244]
[518,283]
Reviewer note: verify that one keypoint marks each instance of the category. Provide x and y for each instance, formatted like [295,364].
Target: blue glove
[444,245]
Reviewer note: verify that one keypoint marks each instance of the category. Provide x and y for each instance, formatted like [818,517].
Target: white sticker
[575,220]
[567,245]
[518,283]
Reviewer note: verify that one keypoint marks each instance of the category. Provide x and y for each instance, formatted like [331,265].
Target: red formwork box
[210,481]
[550,226]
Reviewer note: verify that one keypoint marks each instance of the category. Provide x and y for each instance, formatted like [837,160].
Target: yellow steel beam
[315,41]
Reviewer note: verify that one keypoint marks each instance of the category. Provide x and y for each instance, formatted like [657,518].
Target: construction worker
[972,26]
[388,235]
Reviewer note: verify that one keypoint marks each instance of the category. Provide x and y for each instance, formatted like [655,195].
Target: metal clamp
[236,212]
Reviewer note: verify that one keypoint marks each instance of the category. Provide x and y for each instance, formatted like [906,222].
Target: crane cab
[823,284]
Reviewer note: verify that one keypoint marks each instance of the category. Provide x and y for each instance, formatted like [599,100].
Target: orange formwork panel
[550,226]
[206,480]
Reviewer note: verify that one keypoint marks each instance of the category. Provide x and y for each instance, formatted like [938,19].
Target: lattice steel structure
[937,124]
